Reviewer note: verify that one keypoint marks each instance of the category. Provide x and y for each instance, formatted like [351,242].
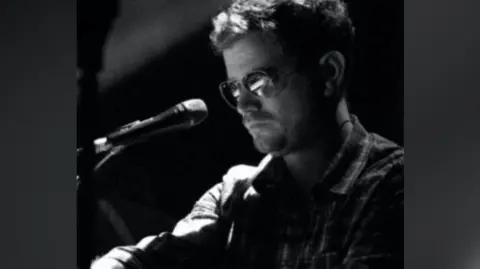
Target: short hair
[306,29]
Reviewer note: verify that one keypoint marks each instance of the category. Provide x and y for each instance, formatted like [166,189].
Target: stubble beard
[274,145]
[270,141]
[284,142]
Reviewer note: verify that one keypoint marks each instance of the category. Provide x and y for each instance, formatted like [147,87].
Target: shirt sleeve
[378,242]
[193,242]
[203,224]
[198,240]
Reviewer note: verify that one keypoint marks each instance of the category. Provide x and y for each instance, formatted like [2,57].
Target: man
[328,194]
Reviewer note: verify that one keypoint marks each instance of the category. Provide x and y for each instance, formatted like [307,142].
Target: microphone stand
[94,20]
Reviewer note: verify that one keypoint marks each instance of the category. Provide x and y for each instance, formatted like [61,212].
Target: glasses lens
[257,83]
[230,92]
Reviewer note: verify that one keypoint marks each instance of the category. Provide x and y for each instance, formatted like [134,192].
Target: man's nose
[248,102]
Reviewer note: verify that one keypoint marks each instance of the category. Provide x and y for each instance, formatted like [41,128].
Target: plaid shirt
[257,217]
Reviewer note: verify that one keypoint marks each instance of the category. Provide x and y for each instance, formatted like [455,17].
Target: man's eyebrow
[267,69]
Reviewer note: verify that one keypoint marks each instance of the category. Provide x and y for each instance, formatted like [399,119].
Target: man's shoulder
[239,178]
[381,180]
[246,173]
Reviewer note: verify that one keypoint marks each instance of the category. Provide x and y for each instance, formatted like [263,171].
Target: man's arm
[196,240]
[378,242]
[193,239]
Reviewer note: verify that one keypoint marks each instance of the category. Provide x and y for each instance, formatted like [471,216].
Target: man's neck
[308,166]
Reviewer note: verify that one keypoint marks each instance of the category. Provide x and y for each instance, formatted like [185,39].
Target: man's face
[283,123]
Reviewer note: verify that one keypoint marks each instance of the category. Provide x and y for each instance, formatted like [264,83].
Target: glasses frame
[268,73]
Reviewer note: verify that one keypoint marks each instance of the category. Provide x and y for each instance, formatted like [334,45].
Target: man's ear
[332,64]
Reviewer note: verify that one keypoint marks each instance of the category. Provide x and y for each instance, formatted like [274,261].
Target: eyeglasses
[259,83]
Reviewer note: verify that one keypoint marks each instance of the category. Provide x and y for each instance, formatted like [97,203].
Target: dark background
[37,112]
[166,175]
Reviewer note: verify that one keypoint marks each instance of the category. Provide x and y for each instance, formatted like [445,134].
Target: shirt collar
[349,161]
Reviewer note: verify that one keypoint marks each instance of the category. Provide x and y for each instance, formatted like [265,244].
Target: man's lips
[256,120]
[254,124]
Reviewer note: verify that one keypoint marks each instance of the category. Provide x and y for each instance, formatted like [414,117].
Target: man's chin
[275,147]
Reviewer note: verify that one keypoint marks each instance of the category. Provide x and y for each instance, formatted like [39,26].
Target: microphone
[179,117]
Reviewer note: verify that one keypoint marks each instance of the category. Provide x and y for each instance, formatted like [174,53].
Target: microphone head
[196,109]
